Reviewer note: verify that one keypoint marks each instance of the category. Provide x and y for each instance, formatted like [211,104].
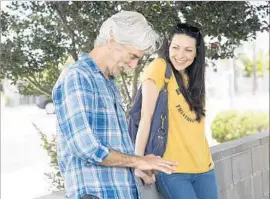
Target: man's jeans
[187,186]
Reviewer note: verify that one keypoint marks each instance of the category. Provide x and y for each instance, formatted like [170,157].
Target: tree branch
[70,32]
[37,87]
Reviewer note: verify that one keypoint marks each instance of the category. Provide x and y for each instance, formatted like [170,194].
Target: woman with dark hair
[194,178]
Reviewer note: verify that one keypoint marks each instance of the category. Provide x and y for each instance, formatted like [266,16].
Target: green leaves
[39,35]
[49,145]
[230,125]
[262,64]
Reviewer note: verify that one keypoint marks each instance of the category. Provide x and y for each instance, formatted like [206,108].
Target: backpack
[159,125]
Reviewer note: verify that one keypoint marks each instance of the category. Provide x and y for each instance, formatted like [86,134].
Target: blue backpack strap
[159,125]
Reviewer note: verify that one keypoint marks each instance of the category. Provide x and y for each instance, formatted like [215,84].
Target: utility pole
[235,76]
[254,70]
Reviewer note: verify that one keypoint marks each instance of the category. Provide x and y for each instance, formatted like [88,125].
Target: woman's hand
[148,177]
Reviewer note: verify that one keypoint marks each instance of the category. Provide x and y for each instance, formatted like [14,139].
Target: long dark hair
[194,94]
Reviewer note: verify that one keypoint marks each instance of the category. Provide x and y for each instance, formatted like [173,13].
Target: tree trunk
[135,83]
[125,88]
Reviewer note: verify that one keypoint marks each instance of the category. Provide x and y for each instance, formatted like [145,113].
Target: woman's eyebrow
[178,45]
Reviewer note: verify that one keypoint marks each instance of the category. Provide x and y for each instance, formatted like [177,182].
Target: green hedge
[230,125]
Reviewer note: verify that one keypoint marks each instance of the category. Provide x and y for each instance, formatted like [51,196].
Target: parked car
[44,102]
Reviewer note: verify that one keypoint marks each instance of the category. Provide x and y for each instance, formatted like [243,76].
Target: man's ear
[111,41]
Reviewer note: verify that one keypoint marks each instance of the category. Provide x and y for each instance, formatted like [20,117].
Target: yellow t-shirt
[186,142]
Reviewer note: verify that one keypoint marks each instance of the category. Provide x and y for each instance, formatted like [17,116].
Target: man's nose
[133,64]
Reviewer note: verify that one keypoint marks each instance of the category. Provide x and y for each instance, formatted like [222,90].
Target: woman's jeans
[187,186]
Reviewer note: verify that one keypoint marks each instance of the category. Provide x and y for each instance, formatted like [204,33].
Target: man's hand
[152,162]
[144,163]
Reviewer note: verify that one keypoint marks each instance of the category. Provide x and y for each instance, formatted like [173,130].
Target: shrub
[230,125]
[54,177]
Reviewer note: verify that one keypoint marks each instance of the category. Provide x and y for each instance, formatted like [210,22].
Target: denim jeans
[87,196]
[187,186]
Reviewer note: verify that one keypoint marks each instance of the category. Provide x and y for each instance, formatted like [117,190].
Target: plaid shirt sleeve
[74,102]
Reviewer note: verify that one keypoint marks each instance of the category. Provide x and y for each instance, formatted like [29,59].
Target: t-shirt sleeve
[156,72]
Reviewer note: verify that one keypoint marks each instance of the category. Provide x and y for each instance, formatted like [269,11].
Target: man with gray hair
[95,153]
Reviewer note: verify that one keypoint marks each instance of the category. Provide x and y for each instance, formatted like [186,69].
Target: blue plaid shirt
[90,121]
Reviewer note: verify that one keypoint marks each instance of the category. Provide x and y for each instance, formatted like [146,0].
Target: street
[23,160]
